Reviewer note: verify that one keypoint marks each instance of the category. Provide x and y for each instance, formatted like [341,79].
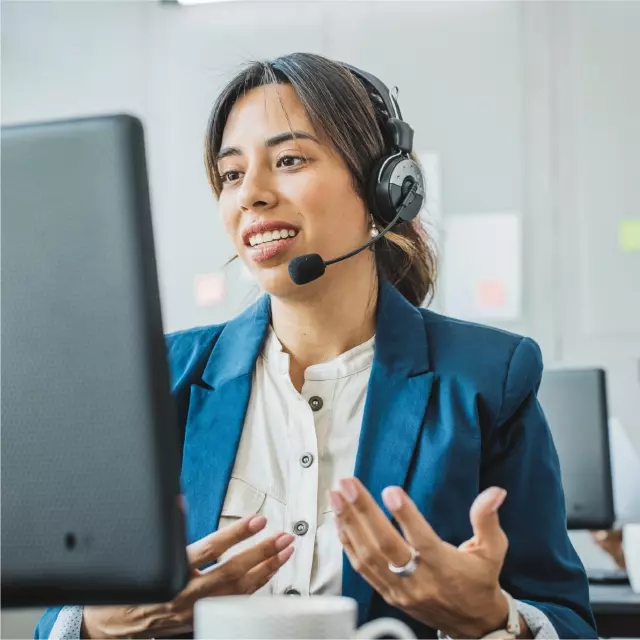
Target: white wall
[531,106]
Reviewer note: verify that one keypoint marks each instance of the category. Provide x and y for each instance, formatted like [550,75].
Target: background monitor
[575,403]
[90,448]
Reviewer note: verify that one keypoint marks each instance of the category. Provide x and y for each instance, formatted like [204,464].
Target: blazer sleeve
[541,567]
[46,622]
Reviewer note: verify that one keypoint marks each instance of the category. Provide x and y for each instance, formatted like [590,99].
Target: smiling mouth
[270,245]
[261,239]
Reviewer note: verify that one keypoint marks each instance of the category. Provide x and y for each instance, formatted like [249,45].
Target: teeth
[268,236]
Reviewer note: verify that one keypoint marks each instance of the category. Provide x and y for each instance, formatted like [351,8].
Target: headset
[393,176]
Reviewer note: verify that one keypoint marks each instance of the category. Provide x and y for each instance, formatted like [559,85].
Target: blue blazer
[451,409]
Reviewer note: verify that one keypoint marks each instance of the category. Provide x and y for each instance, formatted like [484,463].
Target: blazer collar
[239,344]
[401,342]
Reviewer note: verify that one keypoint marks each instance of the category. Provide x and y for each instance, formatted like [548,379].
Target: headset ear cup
[386,188]
[380,201]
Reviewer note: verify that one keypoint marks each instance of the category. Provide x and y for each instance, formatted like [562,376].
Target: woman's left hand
[453,589]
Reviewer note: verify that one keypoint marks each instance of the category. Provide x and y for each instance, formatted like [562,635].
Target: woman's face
[283,197]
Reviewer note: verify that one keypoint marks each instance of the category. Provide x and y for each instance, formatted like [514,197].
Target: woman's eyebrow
[273,141]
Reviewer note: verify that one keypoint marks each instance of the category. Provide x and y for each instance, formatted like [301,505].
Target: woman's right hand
[244,573]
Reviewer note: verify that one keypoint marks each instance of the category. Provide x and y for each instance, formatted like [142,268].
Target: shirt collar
[346,364]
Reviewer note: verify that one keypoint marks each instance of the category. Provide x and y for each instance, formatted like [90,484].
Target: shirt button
[300,528]
[306,460]
[316,403]
[292,592]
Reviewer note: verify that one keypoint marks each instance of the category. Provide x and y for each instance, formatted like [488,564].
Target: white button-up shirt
[294,448]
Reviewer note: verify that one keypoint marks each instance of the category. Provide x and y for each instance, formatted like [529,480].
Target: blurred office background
[528,109]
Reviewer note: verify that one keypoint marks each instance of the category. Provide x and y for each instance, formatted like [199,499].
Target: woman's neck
[335,315]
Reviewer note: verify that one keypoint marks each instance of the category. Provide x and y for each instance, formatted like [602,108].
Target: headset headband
[398,133]
[377,89]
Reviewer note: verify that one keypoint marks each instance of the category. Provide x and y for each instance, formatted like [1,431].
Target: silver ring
[407,569]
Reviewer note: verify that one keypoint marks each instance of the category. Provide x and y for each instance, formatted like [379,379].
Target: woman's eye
[291,161]
[229,176]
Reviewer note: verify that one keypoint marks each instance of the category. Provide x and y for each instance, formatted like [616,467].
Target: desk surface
[614,598]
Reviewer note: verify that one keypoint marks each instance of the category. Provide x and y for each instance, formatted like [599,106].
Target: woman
[327,411]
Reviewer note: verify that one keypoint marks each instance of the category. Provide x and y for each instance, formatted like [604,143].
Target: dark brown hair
[339,109]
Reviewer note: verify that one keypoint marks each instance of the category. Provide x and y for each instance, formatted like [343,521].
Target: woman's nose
[256,192]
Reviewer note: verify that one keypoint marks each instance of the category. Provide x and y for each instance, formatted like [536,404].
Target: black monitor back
[575,403]
[90,448]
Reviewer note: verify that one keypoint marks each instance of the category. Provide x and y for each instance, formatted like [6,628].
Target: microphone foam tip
[306,268]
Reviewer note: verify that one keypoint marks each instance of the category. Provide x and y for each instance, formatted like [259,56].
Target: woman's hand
[244,573]
[454,589]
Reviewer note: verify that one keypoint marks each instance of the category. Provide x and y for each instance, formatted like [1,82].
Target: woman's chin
[275,280]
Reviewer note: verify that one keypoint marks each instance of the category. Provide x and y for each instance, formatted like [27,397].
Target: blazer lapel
[397,397]
[217,410]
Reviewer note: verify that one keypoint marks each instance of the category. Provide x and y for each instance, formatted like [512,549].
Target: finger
[374,537]
[236,567]
[489,536]
[257,577]
[415,528]
[211,547]
[384,583]
[222,579]
[363,551]
[350,524]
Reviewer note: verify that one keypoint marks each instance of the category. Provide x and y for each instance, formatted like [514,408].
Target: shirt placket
[303,482]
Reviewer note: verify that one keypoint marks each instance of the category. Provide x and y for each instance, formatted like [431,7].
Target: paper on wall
[629,235]
[482,266]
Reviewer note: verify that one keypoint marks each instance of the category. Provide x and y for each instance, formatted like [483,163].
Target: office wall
[532,107]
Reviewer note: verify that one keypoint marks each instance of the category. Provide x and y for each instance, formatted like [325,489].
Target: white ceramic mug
[631,548]
[288,617]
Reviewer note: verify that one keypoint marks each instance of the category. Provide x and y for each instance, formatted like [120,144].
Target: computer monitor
[90,445]
[575,403]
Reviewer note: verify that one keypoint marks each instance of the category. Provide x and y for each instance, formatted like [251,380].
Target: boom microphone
[310,266]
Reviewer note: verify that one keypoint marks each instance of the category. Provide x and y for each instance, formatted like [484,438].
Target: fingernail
[284,541]
[283,556]
[256,524]
[349,489]
[497,499]
[393,498]
[336,502]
